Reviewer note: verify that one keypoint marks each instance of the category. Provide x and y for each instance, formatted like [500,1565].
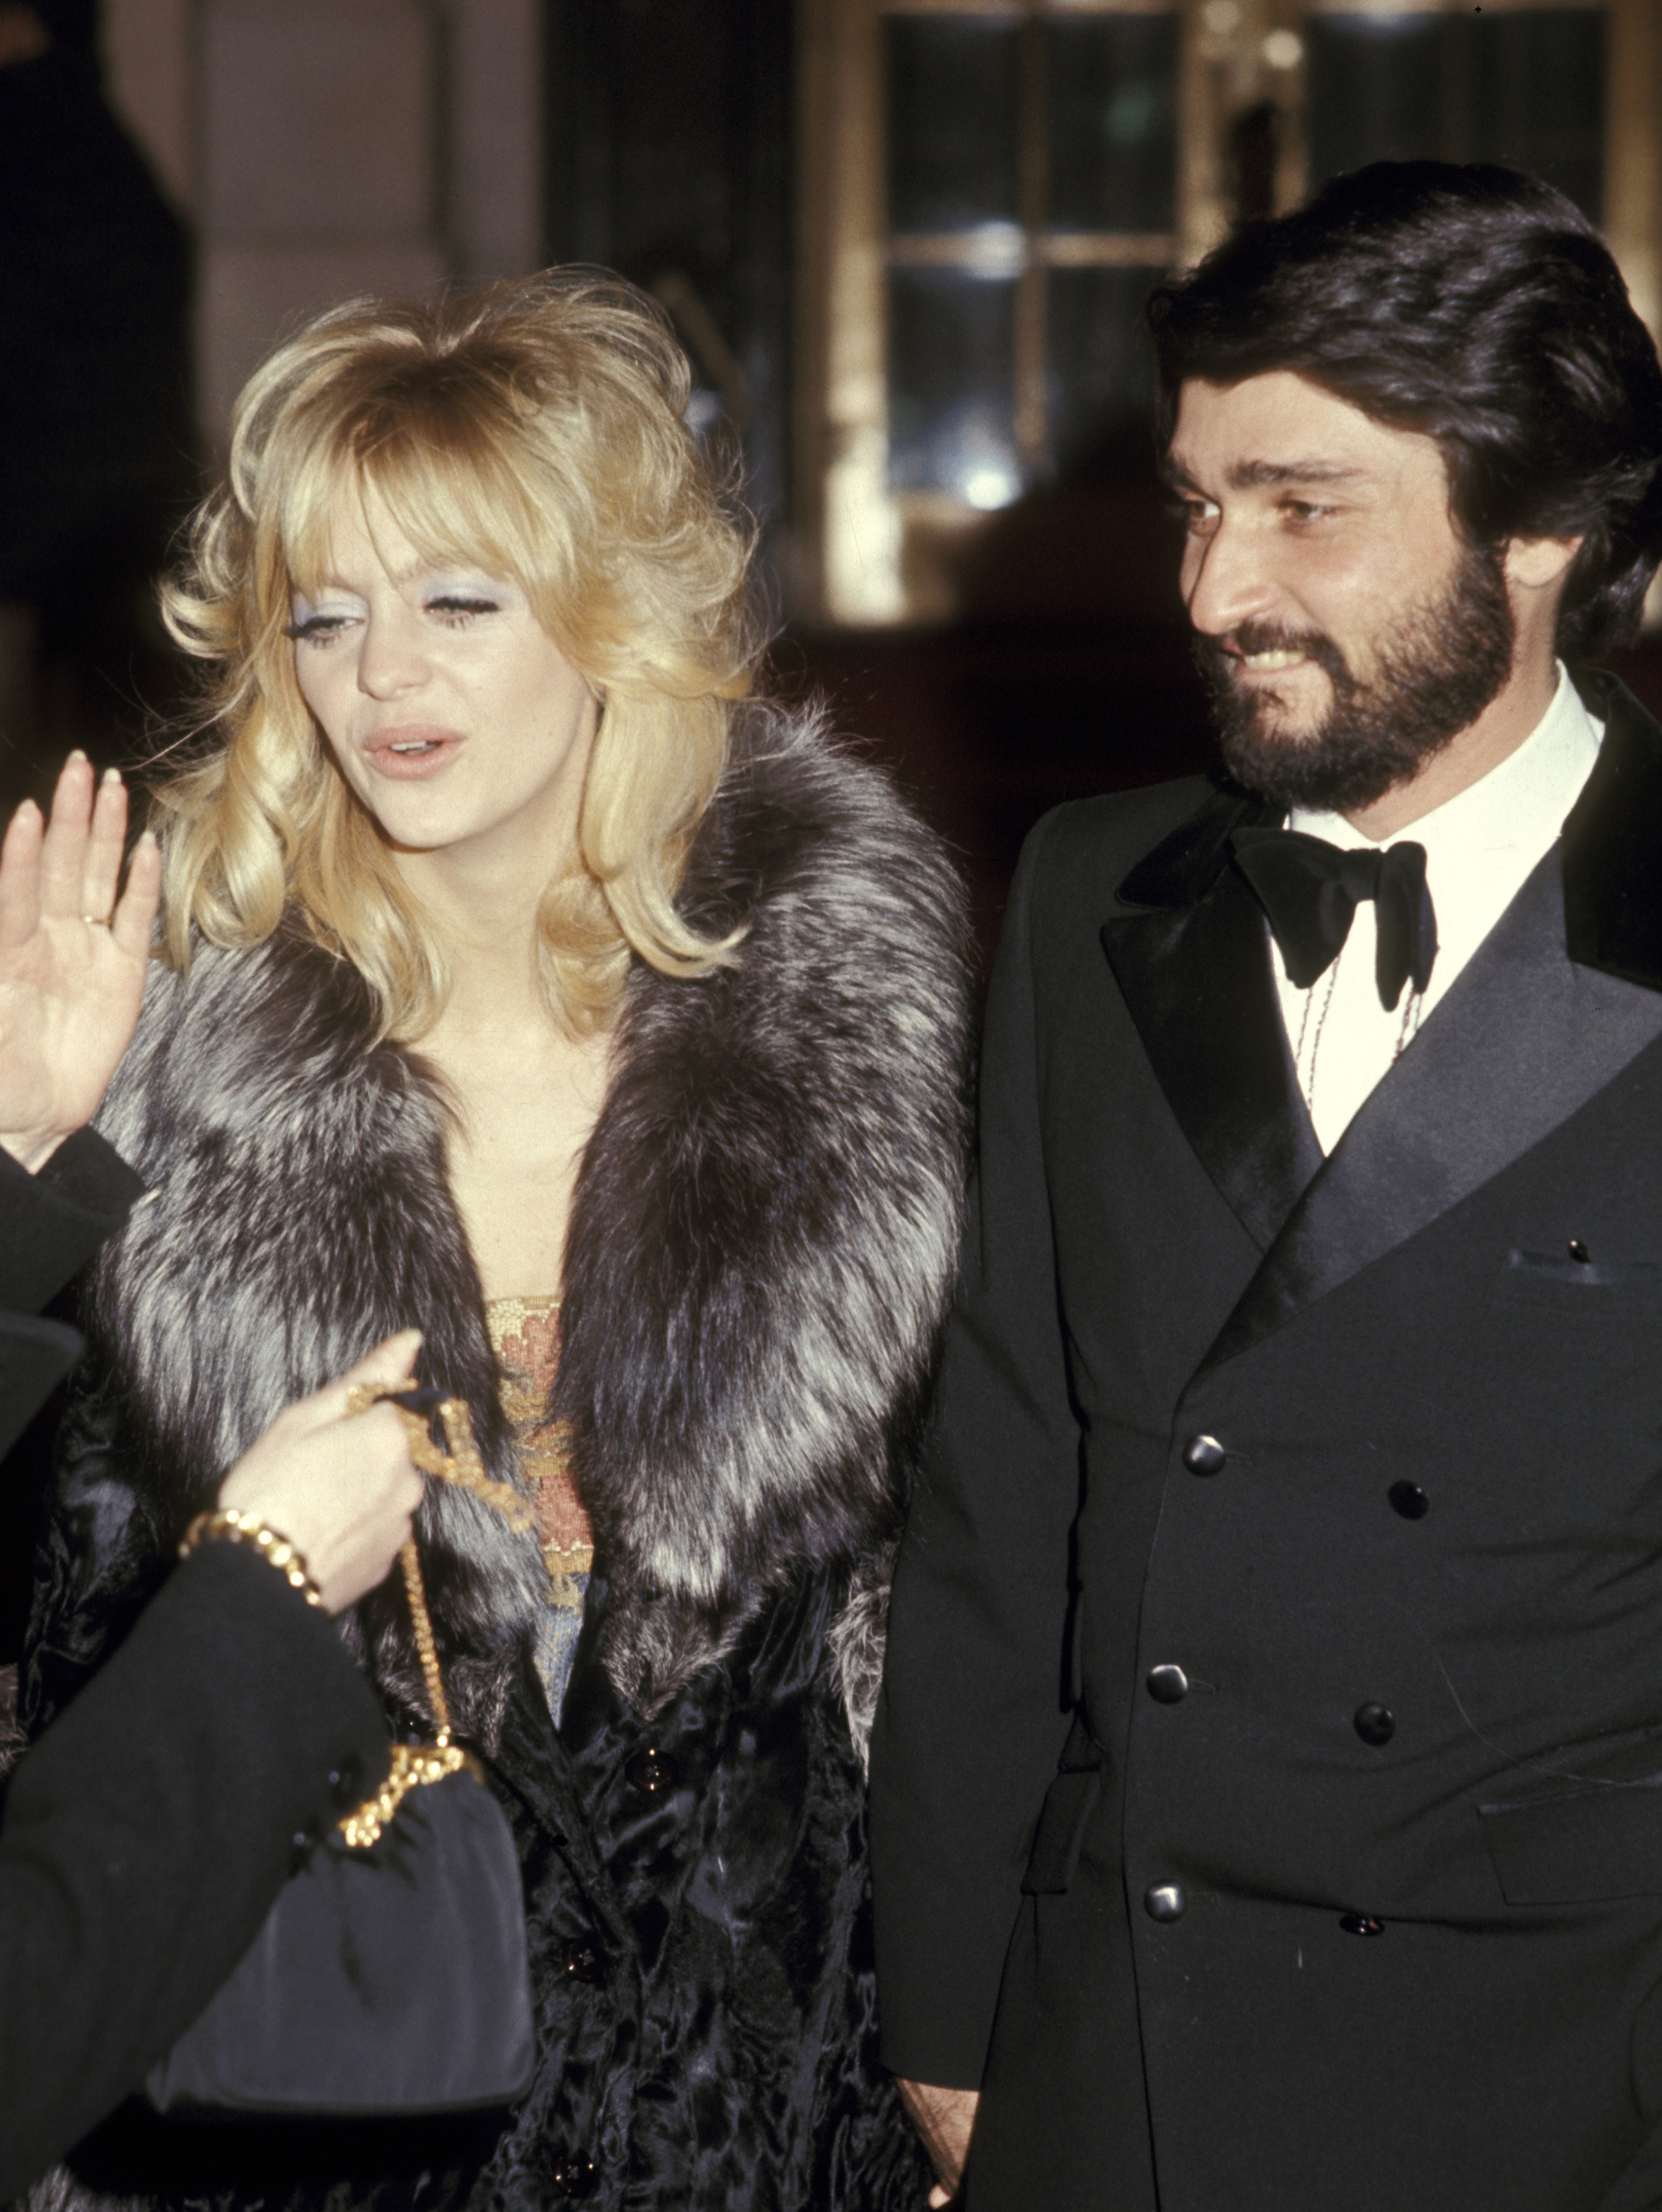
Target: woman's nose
[393,659]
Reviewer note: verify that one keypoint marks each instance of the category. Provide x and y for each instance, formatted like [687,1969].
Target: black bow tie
[1310,890]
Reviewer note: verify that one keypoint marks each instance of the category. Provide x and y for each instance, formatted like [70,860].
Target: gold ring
[97,920]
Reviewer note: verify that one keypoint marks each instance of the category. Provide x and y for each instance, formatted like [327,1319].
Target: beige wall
[328,147]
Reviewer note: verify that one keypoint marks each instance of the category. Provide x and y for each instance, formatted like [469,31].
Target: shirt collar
[1522,800]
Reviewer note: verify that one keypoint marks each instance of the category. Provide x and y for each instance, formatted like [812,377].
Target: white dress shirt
[1479,847]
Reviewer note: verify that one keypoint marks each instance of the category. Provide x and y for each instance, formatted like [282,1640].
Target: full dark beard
[1446,662]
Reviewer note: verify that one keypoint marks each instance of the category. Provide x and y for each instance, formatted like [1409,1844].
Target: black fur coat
[763,1233]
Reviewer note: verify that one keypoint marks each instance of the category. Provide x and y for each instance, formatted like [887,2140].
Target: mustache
[1261,634]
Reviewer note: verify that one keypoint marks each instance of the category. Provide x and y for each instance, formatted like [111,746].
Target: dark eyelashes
[321,626]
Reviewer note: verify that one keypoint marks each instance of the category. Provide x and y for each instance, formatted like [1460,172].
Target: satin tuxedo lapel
[1564,993]
[1523,1039]
[1195,976]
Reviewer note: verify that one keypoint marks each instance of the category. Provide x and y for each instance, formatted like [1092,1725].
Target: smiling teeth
[1282,656]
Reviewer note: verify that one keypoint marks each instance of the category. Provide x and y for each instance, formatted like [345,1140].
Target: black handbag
[391,1976]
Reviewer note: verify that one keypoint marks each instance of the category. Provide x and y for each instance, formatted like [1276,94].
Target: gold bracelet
[229,1526]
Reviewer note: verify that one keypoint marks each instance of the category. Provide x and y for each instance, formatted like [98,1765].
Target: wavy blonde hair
[535,428]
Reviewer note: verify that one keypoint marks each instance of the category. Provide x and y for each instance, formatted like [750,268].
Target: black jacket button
[1164,1901]
[1167,1686]
[1360,1924]
[583,1961]
[1409,1500]
[1204,1455]
[1375,1724]
[652,1771]
[575,2177]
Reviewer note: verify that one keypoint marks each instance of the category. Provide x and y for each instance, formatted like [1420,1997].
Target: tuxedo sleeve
[148,1833]
[972,1716]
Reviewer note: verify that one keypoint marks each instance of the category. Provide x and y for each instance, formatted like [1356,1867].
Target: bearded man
[1266,1804]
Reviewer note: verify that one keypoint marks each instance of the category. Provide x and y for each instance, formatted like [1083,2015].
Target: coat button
[1375,1724]
[1164,1901]
[652,1771]
[583,1961]
[1204,1455]
[1360,1924]
[1409,1500]
[575,2177]
[1167,1686]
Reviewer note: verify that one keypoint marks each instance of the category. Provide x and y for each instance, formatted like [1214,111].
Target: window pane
[1111,86]
[1538,98]
[952,117]
[1375,91]
[952,368]
[1101,383]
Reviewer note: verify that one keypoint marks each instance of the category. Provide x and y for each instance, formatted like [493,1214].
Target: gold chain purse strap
[459,1462]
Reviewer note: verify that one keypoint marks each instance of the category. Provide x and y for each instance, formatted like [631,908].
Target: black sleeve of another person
[146,1833]
[972,1716]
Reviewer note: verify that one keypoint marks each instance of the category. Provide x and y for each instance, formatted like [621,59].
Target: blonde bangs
[534,431]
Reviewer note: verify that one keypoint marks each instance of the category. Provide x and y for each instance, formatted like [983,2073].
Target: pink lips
[412,751]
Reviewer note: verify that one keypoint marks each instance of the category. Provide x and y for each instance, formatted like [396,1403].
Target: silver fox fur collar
[762,1236]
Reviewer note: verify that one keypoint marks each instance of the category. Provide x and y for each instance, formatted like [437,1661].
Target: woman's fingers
[343,1492]
[19,875]
[135,913]
[100,856]
[64,850]
[392,1360]
[68,868]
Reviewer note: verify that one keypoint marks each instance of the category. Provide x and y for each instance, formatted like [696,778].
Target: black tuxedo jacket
[147,1832]
[1267,1789]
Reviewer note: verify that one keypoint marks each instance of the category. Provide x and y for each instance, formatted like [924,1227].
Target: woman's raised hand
[72,956]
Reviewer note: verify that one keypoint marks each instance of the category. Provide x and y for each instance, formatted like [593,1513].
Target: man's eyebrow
[1249,476]
[1244,476]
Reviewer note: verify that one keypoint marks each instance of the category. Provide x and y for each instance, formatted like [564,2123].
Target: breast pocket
[1592,1295]
[1587,1274]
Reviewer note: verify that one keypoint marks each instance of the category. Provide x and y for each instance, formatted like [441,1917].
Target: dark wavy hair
[1476,305]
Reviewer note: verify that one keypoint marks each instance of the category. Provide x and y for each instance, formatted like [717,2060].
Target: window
[991,187]
[1003,191]
[1031,173]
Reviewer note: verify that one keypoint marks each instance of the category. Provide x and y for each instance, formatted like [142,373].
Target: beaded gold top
[525,1334]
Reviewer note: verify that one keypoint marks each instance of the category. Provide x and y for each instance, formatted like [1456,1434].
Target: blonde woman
[528,979]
